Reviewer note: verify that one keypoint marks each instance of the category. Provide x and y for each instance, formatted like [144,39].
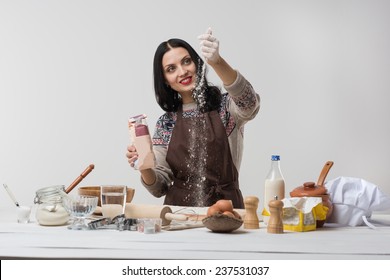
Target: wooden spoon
[324,173]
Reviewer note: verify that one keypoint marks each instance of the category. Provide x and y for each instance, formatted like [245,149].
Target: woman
[198,142]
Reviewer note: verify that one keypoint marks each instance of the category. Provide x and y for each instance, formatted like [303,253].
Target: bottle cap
[275,157]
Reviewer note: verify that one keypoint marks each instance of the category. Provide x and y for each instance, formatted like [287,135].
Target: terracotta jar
[310,189]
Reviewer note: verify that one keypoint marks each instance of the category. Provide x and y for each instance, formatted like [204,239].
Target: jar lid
[308,189]
[56,188]
[54,193]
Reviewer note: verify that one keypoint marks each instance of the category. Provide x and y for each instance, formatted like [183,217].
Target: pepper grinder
[251,221]
[275,224]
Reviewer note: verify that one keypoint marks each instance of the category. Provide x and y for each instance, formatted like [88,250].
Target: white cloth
[302,204]
[353,199]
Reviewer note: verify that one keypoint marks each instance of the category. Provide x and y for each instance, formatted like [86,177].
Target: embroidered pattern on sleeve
[226,117]
[246,100]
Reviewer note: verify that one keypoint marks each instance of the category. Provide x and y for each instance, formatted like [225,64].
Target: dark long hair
[169,99]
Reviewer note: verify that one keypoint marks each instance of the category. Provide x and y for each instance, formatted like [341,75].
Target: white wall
[72,72]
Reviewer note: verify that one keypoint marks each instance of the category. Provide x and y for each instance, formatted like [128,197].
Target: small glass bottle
[50,210]
[273,186]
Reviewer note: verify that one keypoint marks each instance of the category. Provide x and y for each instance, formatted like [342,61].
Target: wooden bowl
[222,223]
[95,191]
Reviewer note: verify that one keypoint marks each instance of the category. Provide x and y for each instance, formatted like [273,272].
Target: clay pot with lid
[311,189]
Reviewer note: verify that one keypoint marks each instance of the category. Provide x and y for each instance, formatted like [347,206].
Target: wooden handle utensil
[80,178]
[324,173]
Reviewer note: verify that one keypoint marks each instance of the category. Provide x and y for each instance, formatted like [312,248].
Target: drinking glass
[113,199]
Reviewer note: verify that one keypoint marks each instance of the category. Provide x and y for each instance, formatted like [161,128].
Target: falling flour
[197,161]
[199,91]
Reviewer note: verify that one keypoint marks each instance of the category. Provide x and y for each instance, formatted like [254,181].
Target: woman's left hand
[209,46]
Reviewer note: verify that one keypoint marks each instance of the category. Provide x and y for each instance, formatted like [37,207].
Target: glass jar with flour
[50,210]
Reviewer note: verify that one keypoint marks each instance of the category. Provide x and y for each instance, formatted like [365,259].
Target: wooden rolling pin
[136,211]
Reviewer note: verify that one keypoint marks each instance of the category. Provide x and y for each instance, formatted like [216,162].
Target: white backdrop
[72,72]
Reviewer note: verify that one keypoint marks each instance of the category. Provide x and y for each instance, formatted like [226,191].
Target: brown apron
[200,159]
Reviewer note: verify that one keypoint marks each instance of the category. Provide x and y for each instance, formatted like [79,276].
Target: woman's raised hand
[209,47]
